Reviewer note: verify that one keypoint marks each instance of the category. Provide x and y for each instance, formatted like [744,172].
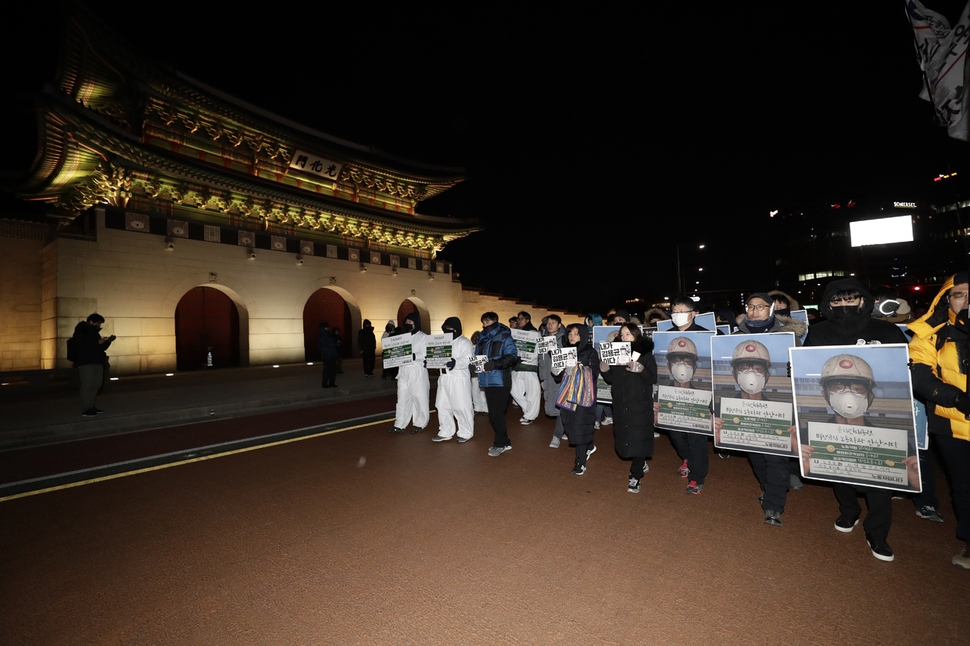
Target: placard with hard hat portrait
[753,408]
[683,381]
[854,412]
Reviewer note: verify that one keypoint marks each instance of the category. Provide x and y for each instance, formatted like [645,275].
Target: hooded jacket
[366,341]
[792,303]
[781,324]
[495,342]
[858,329]
[935,351]
[90,350]
[545,359]
[653,312]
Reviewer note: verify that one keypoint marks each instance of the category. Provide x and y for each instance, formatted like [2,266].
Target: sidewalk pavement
[154,401]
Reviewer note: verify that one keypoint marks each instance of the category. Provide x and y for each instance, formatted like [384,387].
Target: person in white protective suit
[526,391]
[454,396]
[412,383]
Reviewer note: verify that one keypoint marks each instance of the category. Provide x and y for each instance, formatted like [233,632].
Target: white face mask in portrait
[751,382]
[680,318]
[849,404]
[681,372]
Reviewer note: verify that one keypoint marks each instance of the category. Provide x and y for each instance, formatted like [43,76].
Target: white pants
[454,402]
[526,393]
[478,397]
[412,396]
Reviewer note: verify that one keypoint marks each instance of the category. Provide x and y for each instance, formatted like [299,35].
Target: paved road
[356,536]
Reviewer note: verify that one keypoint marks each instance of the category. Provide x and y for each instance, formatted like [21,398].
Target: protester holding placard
[453,399]
[632,387]
[496,344]
[478,397]
[413,385]
[938,376]
[525,375]
[773,471]
[751,417]
[682,314]
[552,336]
[847,308]
[691,447]
[578,419]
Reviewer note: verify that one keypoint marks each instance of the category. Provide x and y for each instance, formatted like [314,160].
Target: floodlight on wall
[299,259]
[430,276]
[169,244]
[394,272]
[363,268]
[252,255]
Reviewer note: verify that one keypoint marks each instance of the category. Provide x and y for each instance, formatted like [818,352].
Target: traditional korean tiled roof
[116,126]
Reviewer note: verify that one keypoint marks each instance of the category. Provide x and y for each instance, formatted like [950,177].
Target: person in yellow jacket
[939,352]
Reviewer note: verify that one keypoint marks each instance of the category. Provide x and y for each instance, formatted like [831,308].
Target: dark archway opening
[325,305]
[206,320]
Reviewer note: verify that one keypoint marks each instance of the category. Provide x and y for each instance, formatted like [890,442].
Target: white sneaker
[554,444]
[496,451]
[525,422]
[596,425]
[608,421]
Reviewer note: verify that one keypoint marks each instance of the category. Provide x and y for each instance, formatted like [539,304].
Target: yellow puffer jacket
[936,373]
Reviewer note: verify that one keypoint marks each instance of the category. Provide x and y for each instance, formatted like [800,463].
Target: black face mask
[844,312]
[785,312]
[408,326]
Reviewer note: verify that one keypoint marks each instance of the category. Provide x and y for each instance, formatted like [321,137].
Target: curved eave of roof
[377,159]
[167,82]
[102,139]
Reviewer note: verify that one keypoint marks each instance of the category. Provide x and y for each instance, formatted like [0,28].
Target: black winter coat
[87,345]
[861,326]
[633,405]
[366,340]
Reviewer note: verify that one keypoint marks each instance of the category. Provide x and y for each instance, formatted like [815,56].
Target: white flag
[942,54]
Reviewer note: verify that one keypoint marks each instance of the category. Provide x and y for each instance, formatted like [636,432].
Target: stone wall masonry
[20,304]
[135,282]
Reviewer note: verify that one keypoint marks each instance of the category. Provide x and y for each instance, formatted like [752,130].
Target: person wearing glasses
[682,313]
[846,305]
[760,316]
[773,471]
[939,343]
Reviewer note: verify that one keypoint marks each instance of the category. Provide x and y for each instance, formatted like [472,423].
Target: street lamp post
[681,286]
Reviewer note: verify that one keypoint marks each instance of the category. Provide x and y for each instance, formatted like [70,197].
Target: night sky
[593,140]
